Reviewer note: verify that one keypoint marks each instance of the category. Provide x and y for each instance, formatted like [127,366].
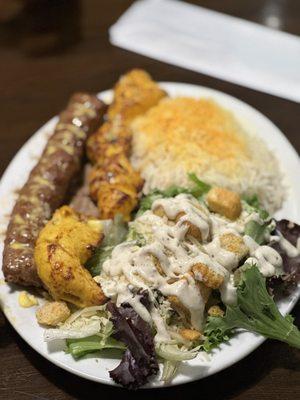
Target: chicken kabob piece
[114,184]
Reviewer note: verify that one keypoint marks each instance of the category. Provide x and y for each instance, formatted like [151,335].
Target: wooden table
[38,72]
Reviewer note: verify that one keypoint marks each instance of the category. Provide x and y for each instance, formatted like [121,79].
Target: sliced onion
[169,370]
[81,312]
[172,352]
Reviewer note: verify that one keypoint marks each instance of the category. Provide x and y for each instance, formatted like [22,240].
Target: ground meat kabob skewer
[48,185]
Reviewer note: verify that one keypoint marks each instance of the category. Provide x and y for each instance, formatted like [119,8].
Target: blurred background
[51,48]
[41,27]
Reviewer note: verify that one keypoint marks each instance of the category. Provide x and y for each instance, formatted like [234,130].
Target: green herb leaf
[253,205]
[147,201]
[133,234]
[198,190]
[256,231]
[255,311]
[94,264]
[216,332]
[252,201]
[200,186]
[117,232]
[253,228]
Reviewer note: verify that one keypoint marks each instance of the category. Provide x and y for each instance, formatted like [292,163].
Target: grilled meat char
[48,185]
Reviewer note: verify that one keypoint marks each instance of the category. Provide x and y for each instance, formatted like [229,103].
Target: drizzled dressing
[267,259]
[165,262]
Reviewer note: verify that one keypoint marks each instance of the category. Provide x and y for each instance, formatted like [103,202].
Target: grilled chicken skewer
[114,184]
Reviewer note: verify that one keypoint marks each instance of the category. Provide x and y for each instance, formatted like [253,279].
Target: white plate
[96,368]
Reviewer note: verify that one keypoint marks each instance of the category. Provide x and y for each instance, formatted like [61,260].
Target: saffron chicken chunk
[62,248]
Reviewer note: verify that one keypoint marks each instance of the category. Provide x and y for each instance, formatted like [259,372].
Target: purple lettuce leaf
[290,230]
[286,283]
[139,361]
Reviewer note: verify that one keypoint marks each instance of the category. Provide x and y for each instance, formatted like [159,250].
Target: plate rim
[186,379]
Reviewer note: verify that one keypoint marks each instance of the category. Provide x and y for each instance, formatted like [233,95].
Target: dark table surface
[54,48]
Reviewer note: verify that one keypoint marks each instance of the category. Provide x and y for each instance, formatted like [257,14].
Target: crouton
[190,334]
[234,244]
[224,202]
[204,290]
[192,229]
[158,265]
[179,308]
[215,311]
[53,313]
[159,211]
[206,275]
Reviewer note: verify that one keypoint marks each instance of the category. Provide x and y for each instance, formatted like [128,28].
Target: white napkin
[215,44]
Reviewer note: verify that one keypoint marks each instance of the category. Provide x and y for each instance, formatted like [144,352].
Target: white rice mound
[260,174]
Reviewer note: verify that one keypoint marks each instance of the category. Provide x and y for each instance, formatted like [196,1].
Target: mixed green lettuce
[139,362]
[81,347]
[255,311]
[116,234]
[198,189]
[257,230]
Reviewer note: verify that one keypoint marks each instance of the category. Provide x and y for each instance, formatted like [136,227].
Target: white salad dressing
[165,262]
[227,259]
[228,291]
[192,212]
[162,334]
[290,250]
[267,259]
